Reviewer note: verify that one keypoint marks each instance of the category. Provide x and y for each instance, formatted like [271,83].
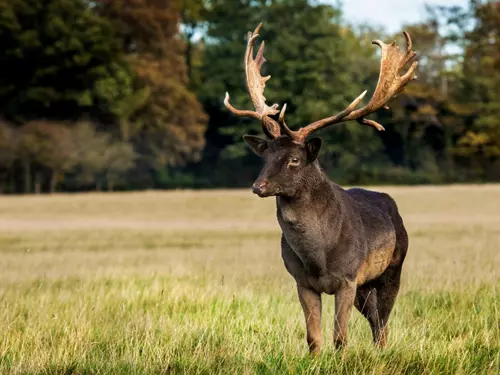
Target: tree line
[128,94]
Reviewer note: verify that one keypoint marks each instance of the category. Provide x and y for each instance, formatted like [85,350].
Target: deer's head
[288,154]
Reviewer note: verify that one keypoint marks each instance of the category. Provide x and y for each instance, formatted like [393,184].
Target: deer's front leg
[344,300]
[311,304]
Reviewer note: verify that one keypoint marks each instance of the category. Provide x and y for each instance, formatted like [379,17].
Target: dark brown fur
[350,243]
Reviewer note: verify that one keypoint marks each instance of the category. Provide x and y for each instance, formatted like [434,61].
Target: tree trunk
[4,179]
[110,185]
[189,58]
[53,182]
[12,184]
[38,182]
[27,177]
[124,130]
[98,185]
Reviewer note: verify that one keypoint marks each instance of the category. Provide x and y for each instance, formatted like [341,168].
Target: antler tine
[300,135]
[283,124]
[390,83]
[239,112]
[256,85]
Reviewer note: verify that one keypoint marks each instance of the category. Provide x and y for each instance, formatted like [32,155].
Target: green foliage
[479,145]
[63,60]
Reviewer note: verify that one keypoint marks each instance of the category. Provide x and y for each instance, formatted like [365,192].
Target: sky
[391,14]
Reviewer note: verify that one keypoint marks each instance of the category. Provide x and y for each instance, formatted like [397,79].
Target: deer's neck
[316,196]
[311,221]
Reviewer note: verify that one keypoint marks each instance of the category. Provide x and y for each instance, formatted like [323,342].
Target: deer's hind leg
[375,301]
[387,286]
[367,305]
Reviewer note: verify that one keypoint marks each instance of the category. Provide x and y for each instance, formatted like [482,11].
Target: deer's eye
[294,161]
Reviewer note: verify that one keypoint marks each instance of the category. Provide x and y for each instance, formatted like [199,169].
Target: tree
[99,158]
[119,159]
[63,60]
[479,145]
[46,148]
[193,13]
[171,123]
[126,107]
[8,149]
[90,153]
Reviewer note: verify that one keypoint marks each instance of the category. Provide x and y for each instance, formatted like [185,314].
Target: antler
[256,85]
[390,83]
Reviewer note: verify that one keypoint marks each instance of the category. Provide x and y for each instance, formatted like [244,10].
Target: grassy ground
[193,283]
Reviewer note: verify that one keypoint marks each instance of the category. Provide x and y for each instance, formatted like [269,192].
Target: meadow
[193,283]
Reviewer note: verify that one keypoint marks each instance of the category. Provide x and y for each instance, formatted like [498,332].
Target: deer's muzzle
[260,187]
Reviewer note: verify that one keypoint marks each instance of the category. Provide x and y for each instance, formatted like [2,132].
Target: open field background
[192,282]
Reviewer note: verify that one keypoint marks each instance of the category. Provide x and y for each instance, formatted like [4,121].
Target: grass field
[193,283]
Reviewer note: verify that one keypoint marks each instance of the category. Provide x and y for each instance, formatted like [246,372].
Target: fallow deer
[350,243]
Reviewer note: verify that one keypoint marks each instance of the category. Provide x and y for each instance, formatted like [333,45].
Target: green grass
[193,283]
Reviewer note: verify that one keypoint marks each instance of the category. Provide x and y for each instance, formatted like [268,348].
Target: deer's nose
[260,187]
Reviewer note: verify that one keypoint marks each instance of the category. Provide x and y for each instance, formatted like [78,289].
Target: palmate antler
[256,85]
[389,84]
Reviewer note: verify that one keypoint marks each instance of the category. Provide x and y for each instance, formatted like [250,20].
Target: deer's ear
[313,146]
[257,144]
